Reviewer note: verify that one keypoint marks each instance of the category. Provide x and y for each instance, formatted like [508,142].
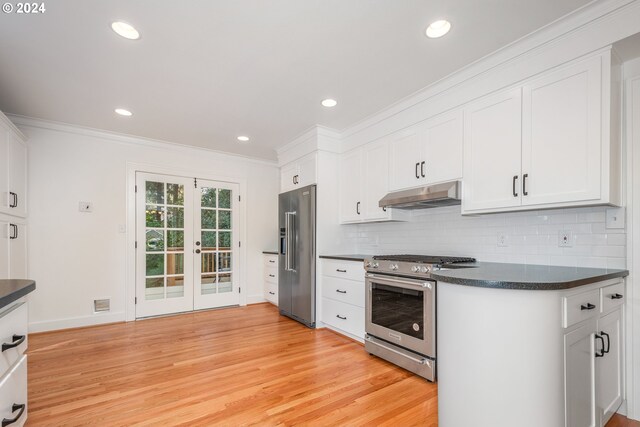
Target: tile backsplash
[529,237]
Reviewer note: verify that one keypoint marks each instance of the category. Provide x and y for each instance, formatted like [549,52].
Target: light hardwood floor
[237,366]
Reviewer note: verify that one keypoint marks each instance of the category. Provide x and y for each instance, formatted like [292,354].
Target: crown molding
[5,119]
[128,139]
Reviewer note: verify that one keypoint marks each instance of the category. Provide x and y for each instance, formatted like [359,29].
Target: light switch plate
[565,238]
[615,217]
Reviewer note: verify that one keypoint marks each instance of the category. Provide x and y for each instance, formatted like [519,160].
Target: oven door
[402,311]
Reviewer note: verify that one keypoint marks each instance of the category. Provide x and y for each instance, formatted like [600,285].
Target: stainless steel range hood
[432,196]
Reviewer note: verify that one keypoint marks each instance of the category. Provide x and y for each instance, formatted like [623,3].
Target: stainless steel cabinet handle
[289,259]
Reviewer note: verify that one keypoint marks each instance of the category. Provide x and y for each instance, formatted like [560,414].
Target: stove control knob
[375,265]
[425,269]
[415,268]
[393,266]
[367,264]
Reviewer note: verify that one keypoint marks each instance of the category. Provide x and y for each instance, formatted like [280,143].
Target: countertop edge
[16,295]
[533,286]
[349,257]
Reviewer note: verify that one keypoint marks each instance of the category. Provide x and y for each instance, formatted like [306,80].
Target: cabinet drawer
[271,293]
[353,270]
[13,391]
[271,261]
[271,275]
[580,307]
[612,296]
[345,317]
[344,290]
[13,326]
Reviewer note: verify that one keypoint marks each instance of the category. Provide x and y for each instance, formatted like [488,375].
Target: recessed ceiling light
[123,112]
[243,138]
[329,102]
[438,29]
[125,30]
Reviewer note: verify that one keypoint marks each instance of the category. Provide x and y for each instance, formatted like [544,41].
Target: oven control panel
[400,267]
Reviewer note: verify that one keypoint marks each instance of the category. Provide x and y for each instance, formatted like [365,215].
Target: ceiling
[206,71]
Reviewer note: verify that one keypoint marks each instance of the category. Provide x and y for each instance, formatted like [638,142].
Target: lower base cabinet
[13,364]
[13,395]
[530,357]
[270,274]
[343,297]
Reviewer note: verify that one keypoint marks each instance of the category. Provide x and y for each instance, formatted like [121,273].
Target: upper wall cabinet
[551,142]
[428,153]
[364,180]
[299,173]
[13,171]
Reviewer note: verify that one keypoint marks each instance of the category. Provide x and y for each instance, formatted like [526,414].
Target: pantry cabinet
[13,169]
[364,180]
[13,248]
[428,153]
[299,173]
[550,142]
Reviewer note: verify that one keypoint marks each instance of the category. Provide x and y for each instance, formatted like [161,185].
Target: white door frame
[130,282]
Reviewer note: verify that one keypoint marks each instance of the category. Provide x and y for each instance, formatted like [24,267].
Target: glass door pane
[164,229]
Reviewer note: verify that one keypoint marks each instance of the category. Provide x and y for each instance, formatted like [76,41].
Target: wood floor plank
[238,366]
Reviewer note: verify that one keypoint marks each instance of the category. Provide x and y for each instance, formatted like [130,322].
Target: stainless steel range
[400,319]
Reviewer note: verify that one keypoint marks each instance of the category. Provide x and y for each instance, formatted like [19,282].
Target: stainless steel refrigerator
[297,255]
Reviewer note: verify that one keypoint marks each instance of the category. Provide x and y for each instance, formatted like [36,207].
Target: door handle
[604,334]
[15,407]
[422,169]
[588,306]
[524,184]
[513,188]
[601,354]
[14,203]
[17,340]
[358,208]
[14,232]
[417,176]
[197,251]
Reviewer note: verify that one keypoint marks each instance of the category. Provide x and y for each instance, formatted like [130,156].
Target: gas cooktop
[424,259]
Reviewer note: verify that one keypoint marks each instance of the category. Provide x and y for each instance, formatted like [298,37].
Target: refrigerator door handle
[289,220]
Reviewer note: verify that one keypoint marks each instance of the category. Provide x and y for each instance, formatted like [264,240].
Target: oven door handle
[407,282]
[421,361]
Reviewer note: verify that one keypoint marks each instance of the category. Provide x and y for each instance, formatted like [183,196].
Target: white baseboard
[76,322]
[255,299]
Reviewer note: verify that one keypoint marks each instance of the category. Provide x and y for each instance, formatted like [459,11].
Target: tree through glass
[216,240]
[164,242]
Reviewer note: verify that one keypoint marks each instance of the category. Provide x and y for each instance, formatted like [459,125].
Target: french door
[187,244]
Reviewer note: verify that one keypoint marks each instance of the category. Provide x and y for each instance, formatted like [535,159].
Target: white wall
[532,237]
[77,257]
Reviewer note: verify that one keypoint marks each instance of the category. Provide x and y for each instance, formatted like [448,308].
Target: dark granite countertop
[349,257]
[522,276]
[270,252]
[12,290]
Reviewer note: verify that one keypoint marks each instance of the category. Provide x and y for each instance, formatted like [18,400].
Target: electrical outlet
[85,207]
[503,240]
[565,239]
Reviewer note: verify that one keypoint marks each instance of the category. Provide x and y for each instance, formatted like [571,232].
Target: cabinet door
[376,180]
[443,148]
[609,368]
[406,154]
[350,187]
[4,169]
[492,148]
[307,171]
[561,138]
[17,175]
[5,232]
[288,175]
[17,250]
[579,353]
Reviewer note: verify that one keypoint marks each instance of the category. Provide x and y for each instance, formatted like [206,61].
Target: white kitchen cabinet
[270,275]
[551,142]
[428,153]
[13,169]
[13,247]
[609,368]
[13,363]
[299,173]
[364,180]
[580,378]
[343,297]
[492,152]
[561,135]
